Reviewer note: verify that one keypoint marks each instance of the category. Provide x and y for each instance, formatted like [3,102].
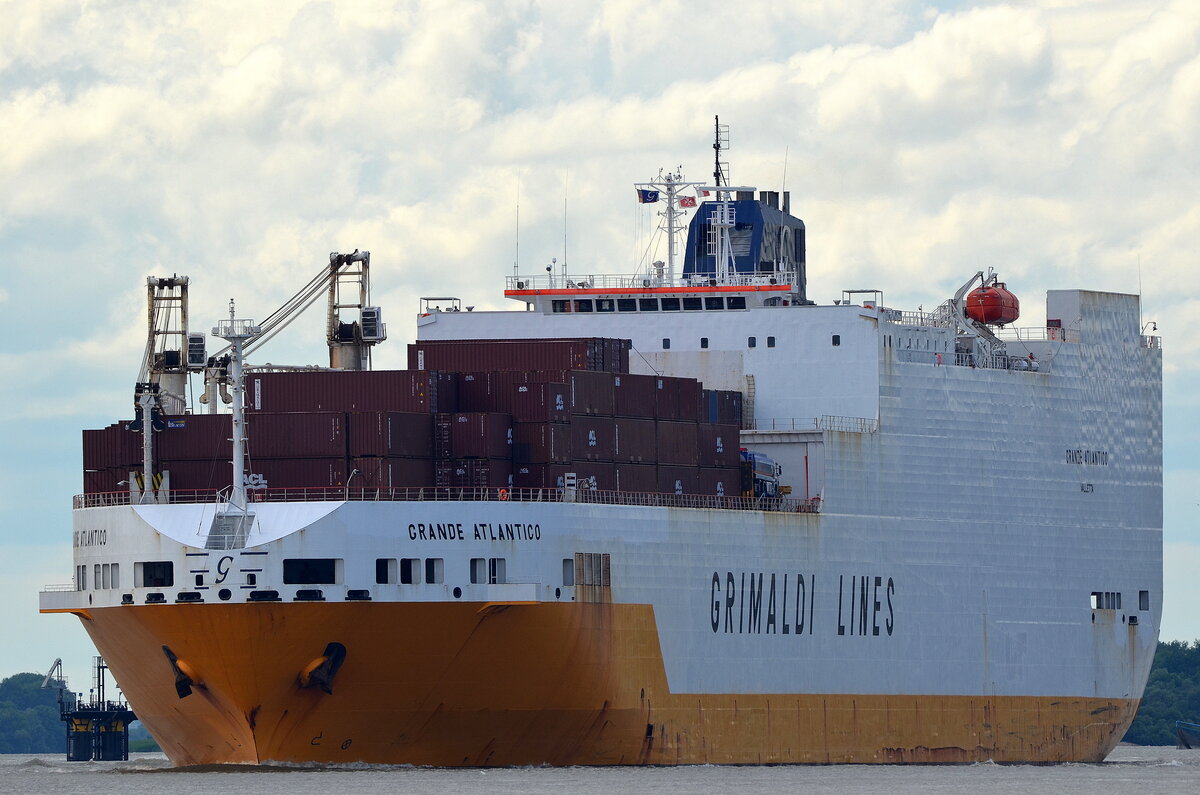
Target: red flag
[687,201]
[701,192]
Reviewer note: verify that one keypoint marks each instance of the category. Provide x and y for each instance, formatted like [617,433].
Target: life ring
[503,495]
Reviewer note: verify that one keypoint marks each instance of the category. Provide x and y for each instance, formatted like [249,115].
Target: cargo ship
[682,516]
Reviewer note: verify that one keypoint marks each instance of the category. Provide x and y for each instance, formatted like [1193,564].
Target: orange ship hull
[519,684]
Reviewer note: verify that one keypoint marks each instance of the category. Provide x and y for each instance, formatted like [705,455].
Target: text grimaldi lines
[766,603]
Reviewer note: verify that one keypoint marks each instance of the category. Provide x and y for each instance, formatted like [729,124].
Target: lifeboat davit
[993,305]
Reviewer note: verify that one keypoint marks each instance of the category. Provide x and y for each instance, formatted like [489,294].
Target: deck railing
[471,494]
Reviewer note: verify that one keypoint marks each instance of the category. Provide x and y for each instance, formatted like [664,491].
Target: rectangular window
[1143,600]
[604,305]
[106,573]
[1097,600]
[156,574]
[704,342]
[751,342]
[568,571]
[583,305]
[737,302]
[410,571]
[1117,598]
[692,304]
[670,304]
[497,571]
[309,571]
[770,342]
[116,575]
[714,303]
[837,339]
[385,571]
[199,580]
[478,570]
[648,304]
[96,581]
[435,570]
[626,304]
[592,568]
[82,577]
[666,343]
[560,306]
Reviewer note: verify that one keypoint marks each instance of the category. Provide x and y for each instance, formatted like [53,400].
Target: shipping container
[390,433]
[635,440]
[351,390]
[596,354]
[677,443]
[729,407]
[294,435]
[541,442]
[207,476]
[114,446]
[481,435]
[541,402]
[294,473]
[483,473]
[634,395]
[391,473]
[720,481]
[195,437]
[443,428]
[592,438]
[488,391]
[107,480]
[550,476]
[640,478]
[718,445]
[678,479]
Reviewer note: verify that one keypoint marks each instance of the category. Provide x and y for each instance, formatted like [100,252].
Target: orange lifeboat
[993,305]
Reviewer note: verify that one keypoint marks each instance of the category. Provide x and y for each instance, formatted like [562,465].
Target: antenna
[783,184]
[517,231]
[720,144]
[566,177]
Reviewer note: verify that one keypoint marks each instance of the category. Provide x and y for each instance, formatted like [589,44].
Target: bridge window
[737,302]
[155,574]
[560,306]
[309,571]
[670,304]
[648,304]
[604,305]
[583,305]
[714,303]
[692,304]
[626,304]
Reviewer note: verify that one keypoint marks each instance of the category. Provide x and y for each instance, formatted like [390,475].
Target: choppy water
[1141,770]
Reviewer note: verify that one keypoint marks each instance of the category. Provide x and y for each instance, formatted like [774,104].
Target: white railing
[638,281]
[1037,334]
[59,587]
[1154,343]
[826,422]
[471,494]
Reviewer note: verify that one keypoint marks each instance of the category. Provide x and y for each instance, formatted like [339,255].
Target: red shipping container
[392,473]
[721,481]
[443,427]
[677,398]
[105,481]
[635,440]
[689,399]
[293,473]
[541,442]
[719,445]
[481,435]
[550,476]
[296,435]
[483,473]
[207,476]
[634,395]
[443,473]
[591,392]
[592,438]
[677,443]
[678,480]
[350,390]
[195,436]
[390,433]
[729,407]
[541,402]
[114,446]
[590,353]
[641,478]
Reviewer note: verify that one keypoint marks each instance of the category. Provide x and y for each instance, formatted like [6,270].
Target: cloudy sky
[240,143]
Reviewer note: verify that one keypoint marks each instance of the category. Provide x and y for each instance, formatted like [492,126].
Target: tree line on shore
[30,724]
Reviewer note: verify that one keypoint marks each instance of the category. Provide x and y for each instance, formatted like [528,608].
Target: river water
[1134,769]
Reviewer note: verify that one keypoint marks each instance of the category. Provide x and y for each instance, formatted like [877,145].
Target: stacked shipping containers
[457,426]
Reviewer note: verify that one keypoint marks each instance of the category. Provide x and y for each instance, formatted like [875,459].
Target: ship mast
[669,186]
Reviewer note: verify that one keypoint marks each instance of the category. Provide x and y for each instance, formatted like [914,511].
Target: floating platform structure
[98,729]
